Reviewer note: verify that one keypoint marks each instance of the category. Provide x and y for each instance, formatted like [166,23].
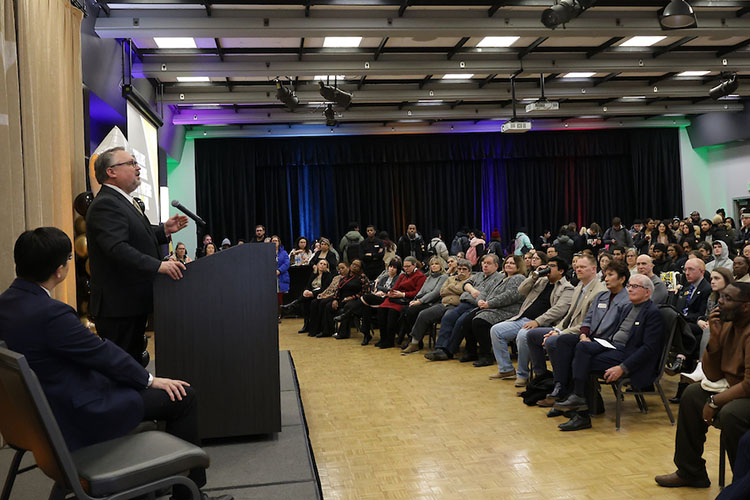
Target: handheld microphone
[179,206]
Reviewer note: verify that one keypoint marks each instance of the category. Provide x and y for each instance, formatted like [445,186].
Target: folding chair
[119,469]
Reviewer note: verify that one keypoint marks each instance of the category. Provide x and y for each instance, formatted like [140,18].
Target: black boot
[680,389]
[304,328]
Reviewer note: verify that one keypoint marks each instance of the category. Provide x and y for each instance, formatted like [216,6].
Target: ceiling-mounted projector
[542,105]
[515,127]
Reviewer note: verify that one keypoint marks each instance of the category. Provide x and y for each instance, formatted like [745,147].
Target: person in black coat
[124,253]
[96,391]
[411,244]
[319,281]
[373,250]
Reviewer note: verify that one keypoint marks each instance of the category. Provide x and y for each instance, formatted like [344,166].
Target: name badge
[601,306]
[637,323]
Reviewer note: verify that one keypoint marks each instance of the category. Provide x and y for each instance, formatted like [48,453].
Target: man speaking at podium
[124,253]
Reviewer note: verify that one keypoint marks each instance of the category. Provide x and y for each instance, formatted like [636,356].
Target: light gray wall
[181,183]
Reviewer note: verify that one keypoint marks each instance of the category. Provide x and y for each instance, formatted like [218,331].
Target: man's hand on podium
[172,268]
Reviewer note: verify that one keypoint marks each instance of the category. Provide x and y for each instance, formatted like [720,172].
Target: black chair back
[27,422]
[672,322]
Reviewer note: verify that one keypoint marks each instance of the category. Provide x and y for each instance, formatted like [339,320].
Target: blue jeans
[450,328]
[501,334]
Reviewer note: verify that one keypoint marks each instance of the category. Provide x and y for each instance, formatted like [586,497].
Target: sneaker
[410,349]
[521,382]
[509,375]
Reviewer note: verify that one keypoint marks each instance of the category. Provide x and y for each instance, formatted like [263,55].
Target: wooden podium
[217,328]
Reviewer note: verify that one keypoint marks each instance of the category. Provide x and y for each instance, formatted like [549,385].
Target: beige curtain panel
[41,123]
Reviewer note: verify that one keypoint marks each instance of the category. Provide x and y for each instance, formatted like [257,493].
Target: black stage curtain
[314,186]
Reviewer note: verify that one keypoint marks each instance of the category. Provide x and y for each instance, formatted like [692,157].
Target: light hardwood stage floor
[386,426]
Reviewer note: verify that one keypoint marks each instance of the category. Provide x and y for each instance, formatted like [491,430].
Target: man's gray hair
[492,256]
[103,162]
[464,263]
[645,282]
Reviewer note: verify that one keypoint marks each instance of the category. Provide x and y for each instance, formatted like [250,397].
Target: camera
[543,272]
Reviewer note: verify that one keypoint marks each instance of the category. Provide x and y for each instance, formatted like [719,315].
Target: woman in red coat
[406,287]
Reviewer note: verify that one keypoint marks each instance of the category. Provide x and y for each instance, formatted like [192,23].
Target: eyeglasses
[633,286]
[727,298]
[132,163]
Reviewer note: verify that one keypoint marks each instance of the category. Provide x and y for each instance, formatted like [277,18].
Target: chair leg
[657,384]
[57,493]
[618,404]
[722,463]
[12,473]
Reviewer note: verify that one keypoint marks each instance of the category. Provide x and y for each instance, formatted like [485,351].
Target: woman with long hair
[664,235]
[301,254]
[180,253]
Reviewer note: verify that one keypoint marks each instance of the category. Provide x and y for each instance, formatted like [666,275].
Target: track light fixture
[564,11]
[335,95]
[286,95]
[676,15]
[330,115]
[729,84]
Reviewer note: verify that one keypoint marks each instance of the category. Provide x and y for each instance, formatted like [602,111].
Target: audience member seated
[352,238]
[209,249]
[659,258]
[201,250]
[741,473]
[325,252]
[618,253]
[411,244]
[450,295]
[743,233]
[647,237]
[501,303]
[452,264]
[604,258]
[676,258]
[721,256]
[319,281]
[350,288]
[707,231]
[726,363]
[746,251]
[476,288]
[617,235]
[544,338]
[692,306]
[631,259]
[370,302]
[180,253]
[633,350]
[406,288]
[372,250]
[601,321]
[96,391]
[686,234]
[645,266]
[428,295]
[226,243]
[720,279]
[706,251]
[741,268]
[318,304]
[664,235]
[301,254]
[548,296]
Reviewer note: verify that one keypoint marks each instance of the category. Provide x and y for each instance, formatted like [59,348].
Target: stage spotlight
[335,95]
[286,95]
[678,14]
[330,115]
[564,11]
[729,84]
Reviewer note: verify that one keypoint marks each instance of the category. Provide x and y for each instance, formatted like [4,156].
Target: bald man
[645,266]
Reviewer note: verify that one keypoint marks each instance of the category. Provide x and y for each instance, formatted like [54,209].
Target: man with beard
[727,359]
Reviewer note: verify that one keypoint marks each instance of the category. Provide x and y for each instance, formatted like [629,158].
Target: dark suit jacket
[124,256]
[644,345]
[91,384]
[324,282]
[696,307]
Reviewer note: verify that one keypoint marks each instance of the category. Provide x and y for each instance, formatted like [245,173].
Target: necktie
[690,291]
[138,206]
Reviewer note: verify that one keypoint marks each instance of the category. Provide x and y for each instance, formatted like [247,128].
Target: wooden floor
[386,426]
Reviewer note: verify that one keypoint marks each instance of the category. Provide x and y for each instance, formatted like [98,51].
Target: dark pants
[409,316]
[317,307]
[733,419]
[740,486]
[562,359]
[181,419]
[537,346]
[477,332]
[582,358]
[126,332]
[451,328]
[372,269]
[425,320]
[305,304]
[349,311]
[388,321]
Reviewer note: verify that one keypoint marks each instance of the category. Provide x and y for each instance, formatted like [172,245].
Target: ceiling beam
[361,82]
[402,8]
[743,11]
[456,47]
[665,76]
[459,23]
[660,51]
[528,50]
[301,50]
[727,50]
[601,48]
[487,80]
[380,48]
[491,11]
[436,66]
[605,79]
[424,81]
[219,49]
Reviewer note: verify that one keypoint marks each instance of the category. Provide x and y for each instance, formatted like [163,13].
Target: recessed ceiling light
[642,41]
[430,102]
[580,74]
[175,42]
[693,73]
[323,78]
[632,97]
[186,79]
[458,76]
[497,41]
[342,41]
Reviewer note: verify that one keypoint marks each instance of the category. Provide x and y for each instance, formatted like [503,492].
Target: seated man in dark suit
[630,350]
[97,392]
